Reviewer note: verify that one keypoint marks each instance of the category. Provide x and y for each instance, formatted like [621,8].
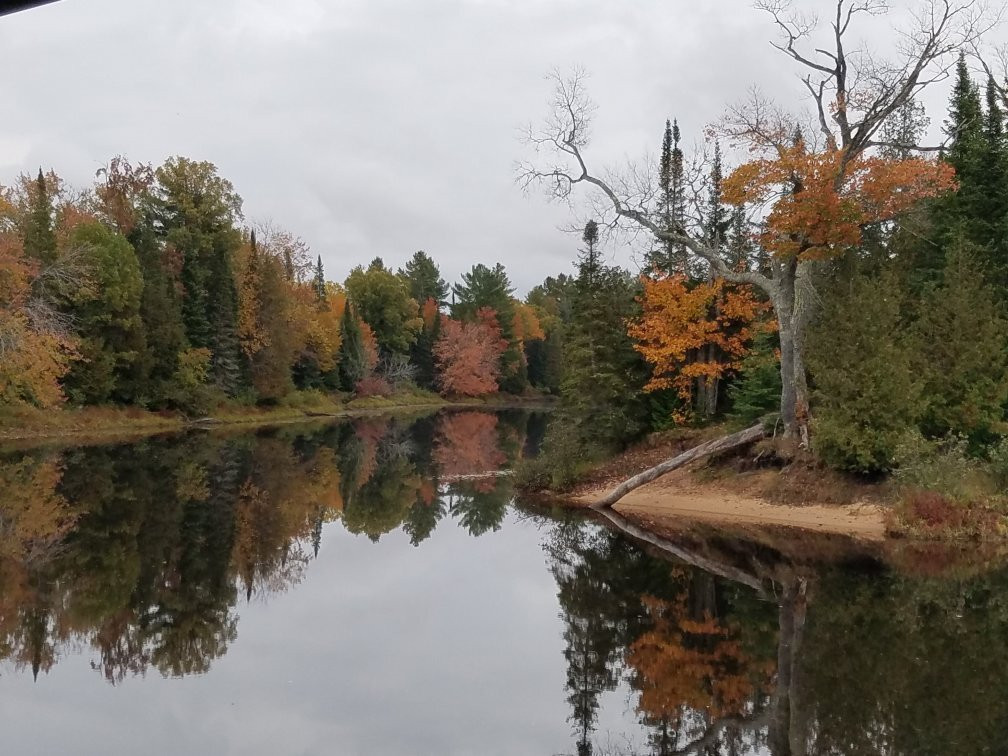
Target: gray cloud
[374,128]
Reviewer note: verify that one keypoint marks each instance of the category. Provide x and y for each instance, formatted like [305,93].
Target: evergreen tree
[667,256]
[422,354]
[38,235]
[962,351]
[424,279]
[718,220]
[757,390]
[198,213]
[604,375]
[867,393]
[319,281]
[992,179]
[956,215]
[352,362]
[903,130]
[490,287]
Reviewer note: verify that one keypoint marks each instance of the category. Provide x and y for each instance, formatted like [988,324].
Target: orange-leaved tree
[693,335]
[468,355]
[36,350]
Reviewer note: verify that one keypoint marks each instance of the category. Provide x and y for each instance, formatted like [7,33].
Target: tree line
[149,289]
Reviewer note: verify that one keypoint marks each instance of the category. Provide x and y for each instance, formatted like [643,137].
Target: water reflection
[142,556]
[142,551]
[824,661]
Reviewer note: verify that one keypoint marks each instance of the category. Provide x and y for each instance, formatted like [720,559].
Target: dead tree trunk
[724,443]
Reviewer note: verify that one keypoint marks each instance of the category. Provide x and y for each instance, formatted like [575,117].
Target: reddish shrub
[935,510]
[373,385]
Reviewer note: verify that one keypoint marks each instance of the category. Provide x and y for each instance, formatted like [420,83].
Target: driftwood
[724,443]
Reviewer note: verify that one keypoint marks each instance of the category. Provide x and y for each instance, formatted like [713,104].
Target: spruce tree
[867,392]
[961,350]
[38,235]
[992,180]
[319,282]
[352,365]
[957,215]
[667,256]
[604,375]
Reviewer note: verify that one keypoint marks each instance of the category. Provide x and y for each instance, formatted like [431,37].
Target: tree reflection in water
[825,661]
[142,553]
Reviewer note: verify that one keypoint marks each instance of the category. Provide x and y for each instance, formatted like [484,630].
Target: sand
[660,500]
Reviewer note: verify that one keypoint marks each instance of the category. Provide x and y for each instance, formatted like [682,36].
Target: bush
[373,385]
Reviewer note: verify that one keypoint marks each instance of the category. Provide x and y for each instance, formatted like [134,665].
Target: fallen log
[724,443]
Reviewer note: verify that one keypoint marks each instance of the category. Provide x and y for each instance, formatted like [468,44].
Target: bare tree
[853,93]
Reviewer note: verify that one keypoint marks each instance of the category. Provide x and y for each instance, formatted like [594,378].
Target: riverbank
[738,492]
[28,424]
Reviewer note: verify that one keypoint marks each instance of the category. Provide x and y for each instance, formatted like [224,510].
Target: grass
[26,423]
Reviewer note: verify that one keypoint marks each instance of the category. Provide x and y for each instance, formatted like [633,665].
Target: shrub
[373,385]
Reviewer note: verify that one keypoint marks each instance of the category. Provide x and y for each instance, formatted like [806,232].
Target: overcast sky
[375,127]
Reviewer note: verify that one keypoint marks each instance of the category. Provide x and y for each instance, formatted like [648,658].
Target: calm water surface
[371,587]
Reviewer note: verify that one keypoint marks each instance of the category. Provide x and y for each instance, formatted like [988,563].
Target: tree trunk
[792,306]
[724,443]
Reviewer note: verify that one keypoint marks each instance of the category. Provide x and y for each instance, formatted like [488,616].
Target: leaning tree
[813,187]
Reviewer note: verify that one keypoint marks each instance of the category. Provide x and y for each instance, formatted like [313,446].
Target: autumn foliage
[468,355]
[823,200]
[692,663]
[680,322]
[467,444]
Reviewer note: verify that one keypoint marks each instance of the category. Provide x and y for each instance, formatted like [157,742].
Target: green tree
[352,361]
[867,393]
[382,300]
[424,279]
[198,214]
[318,282]
[668,256]
[107,316]
[604,376]
[37,232]
[962,351]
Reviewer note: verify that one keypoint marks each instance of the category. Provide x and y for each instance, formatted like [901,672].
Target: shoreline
[662,504]
[97,424]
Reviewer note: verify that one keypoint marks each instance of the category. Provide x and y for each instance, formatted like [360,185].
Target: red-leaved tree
[468,355]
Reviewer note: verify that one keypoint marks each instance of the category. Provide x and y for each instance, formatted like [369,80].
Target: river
[371,586]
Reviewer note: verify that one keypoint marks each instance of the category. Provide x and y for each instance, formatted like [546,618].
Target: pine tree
[589,260]
[424,279]
[604,375]
[965,130]
[38,235]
